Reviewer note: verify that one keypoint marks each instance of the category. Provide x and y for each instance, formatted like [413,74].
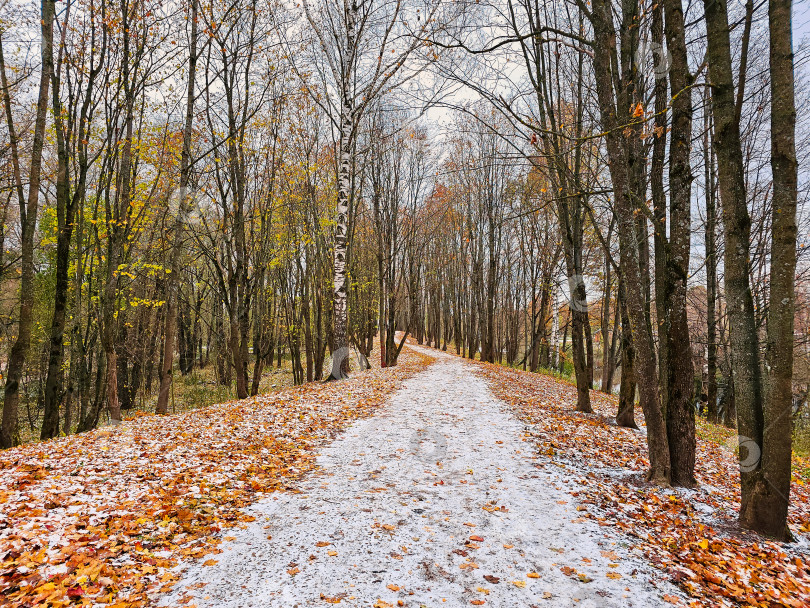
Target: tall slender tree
[28,220]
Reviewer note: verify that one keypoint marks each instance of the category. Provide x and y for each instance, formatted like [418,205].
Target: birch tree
[362,50]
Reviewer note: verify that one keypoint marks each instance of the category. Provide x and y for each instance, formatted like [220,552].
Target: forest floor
[436,500]
[440,482]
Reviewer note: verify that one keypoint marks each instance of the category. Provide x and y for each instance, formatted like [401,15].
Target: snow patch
[439,500]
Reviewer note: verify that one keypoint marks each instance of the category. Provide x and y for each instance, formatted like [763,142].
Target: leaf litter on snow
[102,517]
[690,534]
[434,501]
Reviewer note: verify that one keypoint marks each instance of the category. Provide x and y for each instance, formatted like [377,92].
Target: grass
[201,389]
[194,390]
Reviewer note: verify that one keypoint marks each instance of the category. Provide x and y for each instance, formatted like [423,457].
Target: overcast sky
[801,21]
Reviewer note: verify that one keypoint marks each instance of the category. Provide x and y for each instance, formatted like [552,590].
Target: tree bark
[646,375]
[28,221]
[711,266]
[340,351]
[737,232]
[765,500]
[66,205]
[627,391]
[680,415]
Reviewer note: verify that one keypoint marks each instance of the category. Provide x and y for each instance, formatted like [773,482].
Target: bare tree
[363,49]
[28,220]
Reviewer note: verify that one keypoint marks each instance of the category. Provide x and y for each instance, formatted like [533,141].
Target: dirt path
[436,501]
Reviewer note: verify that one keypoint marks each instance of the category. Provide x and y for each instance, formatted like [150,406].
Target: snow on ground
[435,501]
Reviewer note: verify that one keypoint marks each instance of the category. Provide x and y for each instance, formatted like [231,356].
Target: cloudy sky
[801,21]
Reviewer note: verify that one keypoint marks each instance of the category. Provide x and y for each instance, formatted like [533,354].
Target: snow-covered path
[435,501]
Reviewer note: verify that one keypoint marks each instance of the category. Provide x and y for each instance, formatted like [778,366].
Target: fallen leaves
[331,600]
[100,518]
[678,531]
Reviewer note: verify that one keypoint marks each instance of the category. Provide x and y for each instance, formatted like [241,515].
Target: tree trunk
[737,230]
[340,351]
[680,415]
[711,267]
[765,500]
[646,375]
[606,379]
[627,390]
[64,213]
[611,362]
[28,221]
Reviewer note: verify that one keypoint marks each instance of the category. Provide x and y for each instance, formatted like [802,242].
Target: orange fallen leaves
[102,516]
[726,568]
